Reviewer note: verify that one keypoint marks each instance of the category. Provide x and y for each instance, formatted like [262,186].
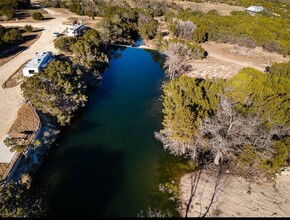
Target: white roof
[255,8]
[37,60]
[75,27]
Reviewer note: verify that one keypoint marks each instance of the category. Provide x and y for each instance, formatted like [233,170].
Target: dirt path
[11,99]
[225,60]
[233,196]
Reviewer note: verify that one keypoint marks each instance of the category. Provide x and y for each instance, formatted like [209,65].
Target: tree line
[242,122]
[59,92]
[280,7]
[7,7]
[269,32]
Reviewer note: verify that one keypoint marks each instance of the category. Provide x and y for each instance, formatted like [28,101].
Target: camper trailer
[41,60]
[76,30]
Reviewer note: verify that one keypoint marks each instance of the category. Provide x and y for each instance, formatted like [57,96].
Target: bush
[148,31]
[2,31]
[28,28]
[12,36]
[65,43]
[8,14]
[37,16]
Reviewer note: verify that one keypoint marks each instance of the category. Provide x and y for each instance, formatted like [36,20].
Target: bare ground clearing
[222,9]
[225,60]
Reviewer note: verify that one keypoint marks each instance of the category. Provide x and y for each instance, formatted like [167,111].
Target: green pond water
[108,163]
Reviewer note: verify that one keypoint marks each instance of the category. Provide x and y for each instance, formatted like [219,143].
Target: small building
[41,60]
[255,9]
[76,30]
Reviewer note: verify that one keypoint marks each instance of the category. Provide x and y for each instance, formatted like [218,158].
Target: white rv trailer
[76,30]
[41,60]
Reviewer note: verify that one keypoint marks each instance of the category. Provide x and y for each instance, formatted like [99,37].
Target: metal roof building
[41,60]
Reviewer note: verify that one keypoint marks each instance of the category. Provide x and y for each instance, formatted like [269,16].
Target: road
[11,99]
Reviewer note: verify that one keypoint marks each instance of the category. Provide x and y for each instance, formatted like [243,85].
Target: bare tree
[149,213]
[184,29]
[177,59]
[226,134]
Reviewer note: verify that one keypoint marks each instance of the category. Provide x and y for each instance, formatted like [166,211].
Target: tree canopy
[60,87]
[245,118]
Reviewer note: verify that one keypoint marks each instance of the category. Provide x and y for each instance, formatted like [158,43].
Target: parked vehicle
[56,34]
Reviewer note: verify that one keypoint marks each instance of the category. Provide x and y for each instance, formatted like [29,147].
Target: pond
[108,163]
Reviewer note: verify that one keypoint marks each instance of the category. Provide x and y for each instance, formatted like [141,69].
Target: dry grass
[26,122]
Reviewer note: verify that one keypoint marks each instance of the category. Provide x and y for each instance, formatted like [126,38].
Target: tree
[262,94]
[230,134]
[178,55]
[153,213]
[37,16]
[75,7]
[148,31]
[28,28]
[186,100]
[61,87]
[12,36]
[90,52]
[15,144]
[65,43]
[200,34]
[119,23]
[7,8]
[180,131]
[15,201]
[242,121]
[184,30]
[157,41]
[2,31]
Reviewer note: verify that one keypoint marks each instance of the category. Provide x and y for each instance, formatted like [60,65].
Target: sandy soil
[222,9]
[225,60]
[232,196]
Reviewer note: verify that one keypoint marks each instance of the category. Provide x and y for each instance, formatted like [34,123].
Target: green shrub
[37,16]
[2,31]
[12,36]
[28,28]
[65,43]
[148,30]
[8,14]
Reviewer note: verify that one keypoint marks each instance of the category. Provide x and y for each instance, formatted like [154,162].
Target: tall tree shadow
[194,185]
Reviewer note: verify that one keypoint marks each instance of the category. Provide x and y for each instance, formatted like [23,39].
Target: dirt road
[11,99]
[225,60]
